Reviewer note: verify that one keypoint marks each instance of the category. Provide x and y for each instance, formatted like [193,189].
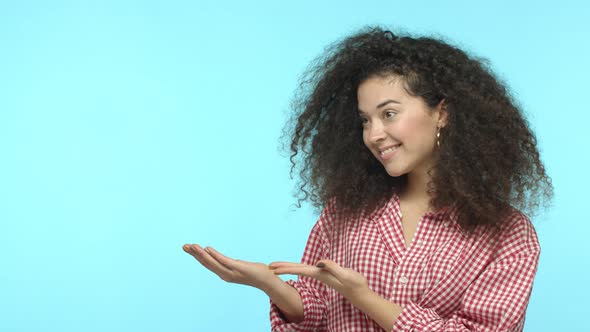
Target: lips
[387,152]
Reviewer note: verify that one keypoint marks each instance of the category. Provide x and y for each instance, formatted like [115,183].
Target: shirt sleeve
[496,300]
[312,292]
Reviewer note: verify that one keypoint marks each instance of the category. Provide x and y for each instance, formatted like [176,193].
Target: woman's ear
[443,115]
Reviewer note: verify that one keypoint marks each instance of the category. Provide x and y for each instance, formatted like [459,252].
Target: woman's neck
[416,190]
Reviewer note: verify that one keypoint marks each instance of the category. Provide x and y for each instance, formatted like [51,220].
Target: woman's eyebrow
[388,101]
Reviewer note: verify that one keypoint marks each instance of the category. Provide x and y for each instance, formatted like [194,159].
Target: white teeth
[391,149]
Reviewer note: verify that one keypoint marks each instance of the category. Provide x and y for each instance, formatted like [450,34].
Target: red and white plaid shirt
[446,280]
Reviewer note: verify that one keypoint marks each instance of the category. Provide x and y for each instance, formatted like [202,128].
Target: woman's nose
[376,133]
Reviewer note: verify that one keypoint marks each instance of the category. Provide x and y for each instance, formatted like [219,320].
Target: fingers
[342,279]
[275,265]
[225,261]
[315,272]
[293,268]
[207,260]
[349,282]
[330,266]
[344,276]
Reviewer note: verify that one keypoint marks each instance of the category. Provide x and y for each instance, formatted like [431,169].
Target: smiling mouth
[387,152]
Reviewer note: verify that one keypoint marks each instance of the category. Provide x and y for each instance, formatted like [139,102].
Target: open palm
[344,280]
[232,270]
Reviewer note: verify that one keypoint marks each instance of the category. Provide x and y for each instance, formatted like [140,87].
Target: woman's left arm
[495,301]
[351,284]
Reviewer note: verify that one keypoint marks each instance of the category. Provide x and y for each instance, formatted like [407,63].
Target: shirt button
[403,280]
[420,243]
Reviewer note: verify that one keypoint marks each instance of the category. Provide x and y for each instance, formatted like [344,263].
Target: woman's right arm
[287,299]
[257,275]
[312,293]
[295,305]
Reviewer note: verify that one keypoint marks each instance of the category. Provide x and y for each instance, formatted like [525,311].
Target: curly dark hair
[487,163]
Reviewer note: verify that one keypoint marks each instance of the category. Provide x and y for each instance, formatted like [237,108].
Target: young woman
[422,164]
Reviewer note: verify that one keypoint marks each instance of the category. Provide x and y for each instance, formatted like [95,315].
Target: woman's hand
[347,282]
[351,284]
[232,270]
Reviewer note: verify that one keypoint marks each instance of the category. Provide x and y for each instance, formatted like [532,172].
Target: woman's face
[399,129]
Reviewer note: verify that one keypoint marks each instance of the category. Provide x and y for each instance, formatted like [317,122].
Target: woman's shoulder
[335,219]
[518,224]
[517,236]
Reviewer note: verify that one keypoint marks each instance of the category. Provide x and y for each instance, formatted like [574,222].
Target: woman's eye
[389,114]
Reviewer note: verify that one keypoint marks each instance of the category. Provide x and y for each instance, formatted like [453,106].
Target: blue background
[128,128]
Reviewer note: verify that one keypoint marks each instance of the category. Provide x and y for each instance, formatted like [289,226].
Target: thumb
[331,266]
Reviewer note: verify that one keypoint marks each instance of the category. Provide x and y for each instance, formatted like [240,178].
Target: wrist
[272,285]
[286,298]
[382,311]
[361,296]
